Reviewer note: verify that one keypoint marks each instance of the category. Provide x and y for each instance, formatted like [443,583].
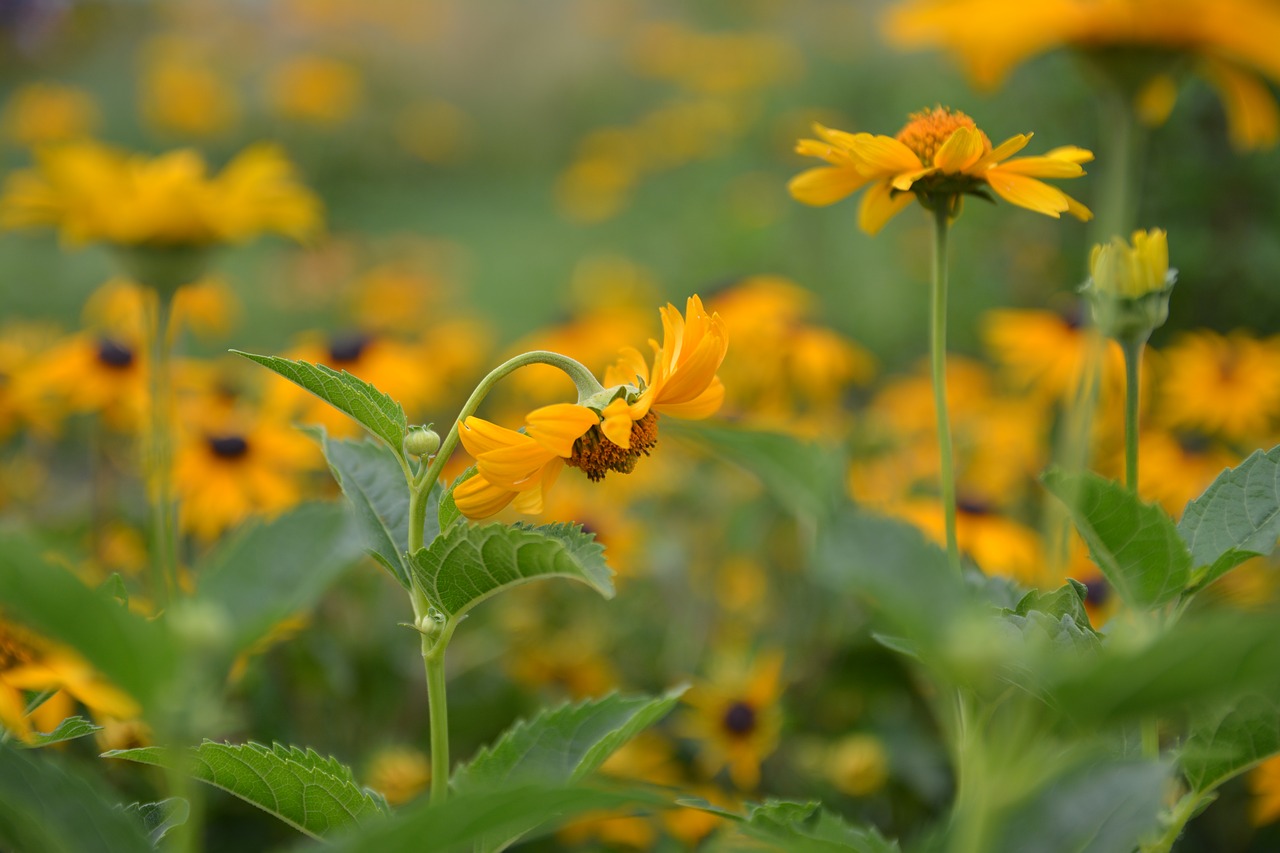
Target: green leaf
[806,477]
[467,564]
[565,744]
[1237,517]
[1067,600]
[1237,741]
[69,729]
[158,818]
[374,483]
[449,512]
[377,412]
[466,821]
[1135,544]
[268,572]
[134,653]
[809,828]
[317,796]
[46,806]
[1093,808]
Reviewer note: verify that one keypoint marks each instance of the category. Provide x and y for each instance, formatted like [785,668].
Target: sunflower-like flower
[92,193]
[736,718]
[610,431]
[937,158]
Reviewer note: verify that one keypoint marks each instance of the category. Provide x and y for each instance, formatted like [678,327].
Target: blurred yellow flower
[399,773]
[92,193]
[735,718]
[858,765]
[100,373]
[1264,784]
[1228,41]
[1178,466]
[1225,385]
[998,544]
[48,113]
[181,93]
[24,402]
[315,89]
[209,307]
[725,63]
[938,157]
[1046,352]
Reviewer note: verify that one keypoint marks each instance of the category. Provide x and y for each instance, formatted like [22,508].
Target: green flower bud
[421,441]
[1129,285]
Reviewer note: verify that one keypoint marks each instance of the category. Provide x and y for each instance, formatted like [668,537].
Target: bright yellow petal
[904,181]
[478,498]
[704,405]
[963,148]
[1071,153]
[884,156]
[879,205]
[839,138]
[616,422]
[1028,192]
[825,185]
[630,369]
[515,467]
[1253,120]
[1003,151]
[558,426]
[1042,167]
[1078,210]
[480,436]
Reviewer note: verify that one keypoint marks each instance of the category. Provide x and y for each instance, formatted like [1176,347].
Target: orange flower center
[928,129]
[596,455]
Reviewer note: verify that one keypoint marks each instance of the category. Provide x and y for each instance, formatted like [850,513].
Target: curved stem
[938,360]
[1132,349]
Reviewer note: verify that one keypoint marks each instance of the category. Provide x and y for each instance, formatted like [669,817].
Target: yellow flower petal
[704,405]
[879,205]
[558,426]
[962,149]
[1252,117]
[616,422]
[1001,152]
[478,498]
[883,155]
[1043,167]
[1028,192]
[826,185]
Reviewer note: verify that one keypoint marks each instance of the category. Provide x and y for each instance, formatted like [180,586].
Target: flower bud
[1129,285]
[421,441]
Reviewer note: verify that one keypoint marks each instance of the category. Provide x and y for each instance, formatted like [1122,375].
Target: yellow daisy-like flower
[91,193]
[937,158]
[736,719]
[1229,40]
[1225,385]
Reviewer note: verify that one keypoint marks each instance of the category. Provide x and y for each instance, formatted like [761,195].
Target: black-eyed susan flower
[1045,353]
[735,718]
[90,193]
[1229,43]
[938,157]
[96,373]
[1224,385]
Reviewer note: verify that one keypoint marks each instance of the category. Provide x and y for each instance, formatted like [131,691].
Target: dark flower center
[345,349]
[1193,443]
[596,455]
[228,446]
[740,718]
[114,354]
[1097,592]
[970,505]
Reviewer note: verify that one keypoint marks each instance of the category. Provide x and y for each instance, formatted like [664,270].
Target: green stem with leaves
[436,641]
[938,361]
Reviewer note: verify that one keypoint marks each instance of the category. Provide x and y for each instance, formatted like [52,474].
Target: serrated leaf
[807,478]
[268,572]
[1135,544]
[374,483]
[1237,517]
[1093,808]
[465,821]
[374,410]
[160,817]
[315,795]
[134,653]
[467,564]
[565,744]
[809,828]
[1246,735]
[69,729]
[46,806]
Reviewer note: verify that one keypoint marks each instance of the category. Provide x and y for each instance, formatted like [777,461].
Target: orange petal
[616,422]
[557,427]
[704,405]
[478,498]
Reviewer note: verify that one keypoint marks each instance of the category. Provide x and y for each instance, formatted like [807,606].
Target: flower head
[736,718]
[1129,286]
[937,158]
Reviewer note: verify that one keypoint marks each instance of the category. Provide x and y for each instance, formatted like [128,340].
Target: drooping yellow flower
[93,193]
[939,155]
[1229,41]
[1227,385]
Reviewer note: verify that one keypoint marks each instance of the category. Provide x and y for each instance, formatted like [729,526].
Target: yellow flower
[27,665]
[736,719]
[1047,352]
[1264,784]
[999,545]
[399,773]
[47,113]
[100,373]
[1228,40]
[92,193]
[858,765]
[180,92]
[1178,466]
[315,89]
[939,156]
[1131,272]
[1224,385]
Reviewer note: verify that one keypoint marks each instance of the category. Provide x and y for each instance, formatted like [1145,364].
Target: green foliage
[1237,517]
[376,412]
[135,653]
[374,483]
[805,477]
[159,818]
[809,828]
[268,572]
[1093,808]
[467,822]
[45,807]
[1135,544]
[69,729]
[448,512]
[1234,742]
[317,796]
[565,744]
[467,564]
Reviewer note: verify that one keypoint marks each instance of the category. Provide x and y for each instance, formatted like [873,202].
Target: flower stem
[938,358]
[158,457]
[438,708]
[1132,348]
